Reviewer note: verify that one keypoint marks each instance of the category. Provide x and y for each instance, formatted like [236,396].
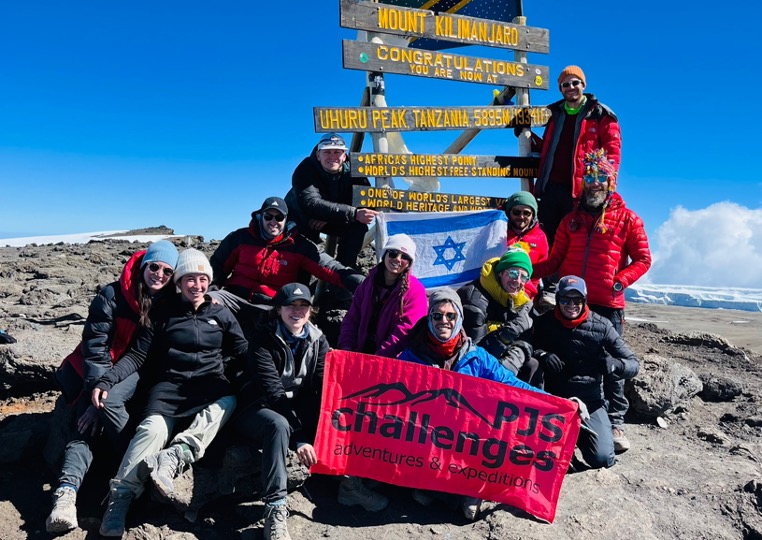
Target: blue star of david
[457,249]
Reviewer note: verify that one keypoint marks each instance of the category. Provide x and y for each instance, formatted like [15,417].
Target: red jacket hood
[130,278]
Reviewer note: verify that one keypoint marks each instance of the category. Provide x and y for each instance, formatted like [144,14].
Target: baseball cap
[568,284]
[331,141]
[275,203]
[291,292]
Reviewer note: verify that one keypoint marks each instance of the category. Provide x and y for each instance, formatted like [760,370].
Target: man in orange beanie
[579,124]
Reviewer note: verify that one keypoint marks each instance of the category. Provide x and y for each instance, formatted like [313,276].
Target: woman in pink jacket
[386,305]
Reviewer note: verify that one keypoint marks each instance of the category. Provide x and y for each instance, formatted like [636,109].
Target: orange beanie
[572,70]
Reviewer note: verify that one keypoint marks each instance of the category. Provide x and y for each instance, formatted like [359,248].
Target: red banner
[412,425]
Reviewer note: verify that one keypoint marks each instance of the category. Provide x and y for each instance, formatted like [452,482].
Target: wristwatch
[618,287]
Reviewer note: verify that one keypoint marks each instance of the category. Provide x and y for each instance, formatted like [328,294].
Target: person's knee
[601,460]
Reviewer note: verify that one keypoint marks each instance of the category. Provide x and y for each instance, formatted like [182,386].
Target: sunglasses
[521,213]
[566,300]
[515,274]
[600,179]
[439,316]
[270,217]
[153,267]
[575,83]
[394,253]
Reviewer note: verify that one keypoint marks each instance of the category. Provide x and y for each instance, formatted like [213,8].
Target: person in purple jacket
[386,305]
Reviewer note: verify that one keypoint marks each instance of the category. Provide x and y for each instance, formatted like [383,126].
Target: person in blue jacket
[438,340]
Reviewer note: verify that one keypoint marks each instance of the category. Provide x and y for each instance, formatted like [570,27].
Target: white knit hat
[401,242]
[192,261]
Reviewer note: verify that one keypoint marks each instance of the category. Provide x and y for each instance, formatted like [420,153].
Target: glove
[583,413]
[613,364]
[551,364]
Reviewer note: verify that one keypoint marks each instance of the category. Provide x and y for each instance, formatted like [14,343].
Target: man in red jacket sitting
[605,243]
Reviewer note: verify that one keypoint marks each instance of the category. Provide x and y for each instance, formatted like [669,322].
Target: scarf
[571,323]
[444,350]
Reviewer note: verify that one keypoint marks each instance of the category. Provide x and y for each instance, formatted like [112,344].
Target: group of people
[182,345]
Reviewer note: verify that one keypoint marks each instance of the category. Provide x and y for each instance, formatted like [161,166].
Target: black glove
[551,364]
[613,364]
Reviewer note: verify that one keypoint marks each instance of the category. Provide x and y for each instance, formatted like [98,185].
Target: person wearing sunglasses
[524,229]
[578,124]
[321,199]
[251,264]
[188,357]
[605,243]
[114,317]
[497,313]
[578,350]
[439,340]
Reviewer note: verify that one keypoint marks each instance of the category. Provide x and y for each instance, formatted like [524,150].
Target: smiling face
[571,305]
[193,287]
[512,279]
[156,275]
[574,90]
[443,318]
[332,159]
[395,264]
[271,224]
[295,315]
[520,216]
[594,191]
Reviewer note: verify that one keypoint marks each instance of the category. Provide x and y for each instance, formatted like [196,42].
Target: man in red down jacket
[579,124]
[252,263]
[604,243]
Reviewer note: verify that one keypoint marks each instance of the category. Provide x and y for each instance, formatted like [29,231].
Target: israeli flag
[451,247]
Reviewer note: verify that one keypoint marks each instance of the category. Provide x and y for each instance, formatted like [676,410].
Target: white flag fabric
[451,247]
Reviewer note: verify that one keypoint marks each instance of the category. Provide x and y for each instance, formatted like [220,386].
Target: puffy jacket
[583,351]
[111,324]
[616,252]
[596,127]
[264,383]
[471,359]
[186,355]
[317,194]
[254,269]
[535,243]
[391,328]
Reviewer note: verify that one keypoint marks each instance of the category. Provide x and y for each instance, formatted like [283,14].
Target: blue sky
[189,114]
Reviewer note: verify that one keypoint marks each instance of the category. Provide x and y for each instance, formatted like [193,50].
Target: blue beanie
[162,251]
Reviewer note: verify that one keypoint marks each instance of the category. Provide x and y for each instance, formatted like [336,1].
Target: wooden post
[468,135]
[522,100]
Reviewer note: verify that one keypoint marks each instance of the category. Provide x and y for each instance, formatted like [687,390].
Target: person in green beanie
[524,229]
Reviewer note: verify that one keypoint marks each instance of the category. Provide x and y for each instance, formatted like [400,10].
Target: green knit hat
[521,197]
[514,257]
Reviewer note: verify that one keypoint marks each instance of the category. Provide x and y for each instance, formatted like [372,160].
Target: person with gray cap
[280,397]
[578,349]
[438,340]
[188,356]
[251,264]
[321,199]
[114,317]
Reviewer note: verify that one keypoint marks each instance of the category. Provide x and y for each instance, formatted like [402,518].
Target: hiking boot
[621,442]
[119,500]
[471,507]
[424,498]
[164,467]
[63,517]
[275,523]
[353,492]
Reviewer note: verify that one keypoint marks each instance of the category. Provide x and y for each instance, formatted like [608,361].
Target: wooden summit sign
[385,18]
[435,165]
[403,200]
[370,119]
[442,65]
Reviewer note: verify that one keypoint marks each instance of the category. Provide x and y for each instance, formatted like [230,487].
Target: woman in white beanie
[189,342]
[384,309]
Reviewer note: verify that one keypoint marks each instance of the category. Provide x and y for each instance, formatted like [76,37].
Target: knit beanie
[446,294]
[192,261]
[162,251]
[597,162]
[401,242]
[572,70]
[514,257]
[521,197]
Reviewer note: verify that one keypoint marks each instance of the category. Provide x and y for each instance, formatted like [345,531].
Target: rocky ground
[693,472]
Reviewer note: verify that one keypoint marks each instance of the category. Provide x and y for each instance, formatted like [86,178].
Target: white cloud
[718,246]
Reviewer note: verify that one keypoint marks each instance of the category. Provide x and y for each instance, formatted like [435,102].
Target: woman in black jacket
[280,400]
[189,348]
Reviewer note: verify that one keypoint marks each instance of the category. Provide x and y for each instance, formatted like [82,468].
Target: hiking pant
[597,443]
[613,388]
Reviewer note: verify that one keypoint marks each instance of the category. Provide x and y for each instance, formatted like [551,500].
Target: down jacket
[596,127]
[298,398]
[254,268]
[615,251]
[316,194]
[391,328]
[187,354]
[583,351]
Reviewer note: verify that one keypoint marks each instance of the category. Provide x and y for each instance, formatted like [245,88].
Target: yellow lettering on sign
[397,19]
